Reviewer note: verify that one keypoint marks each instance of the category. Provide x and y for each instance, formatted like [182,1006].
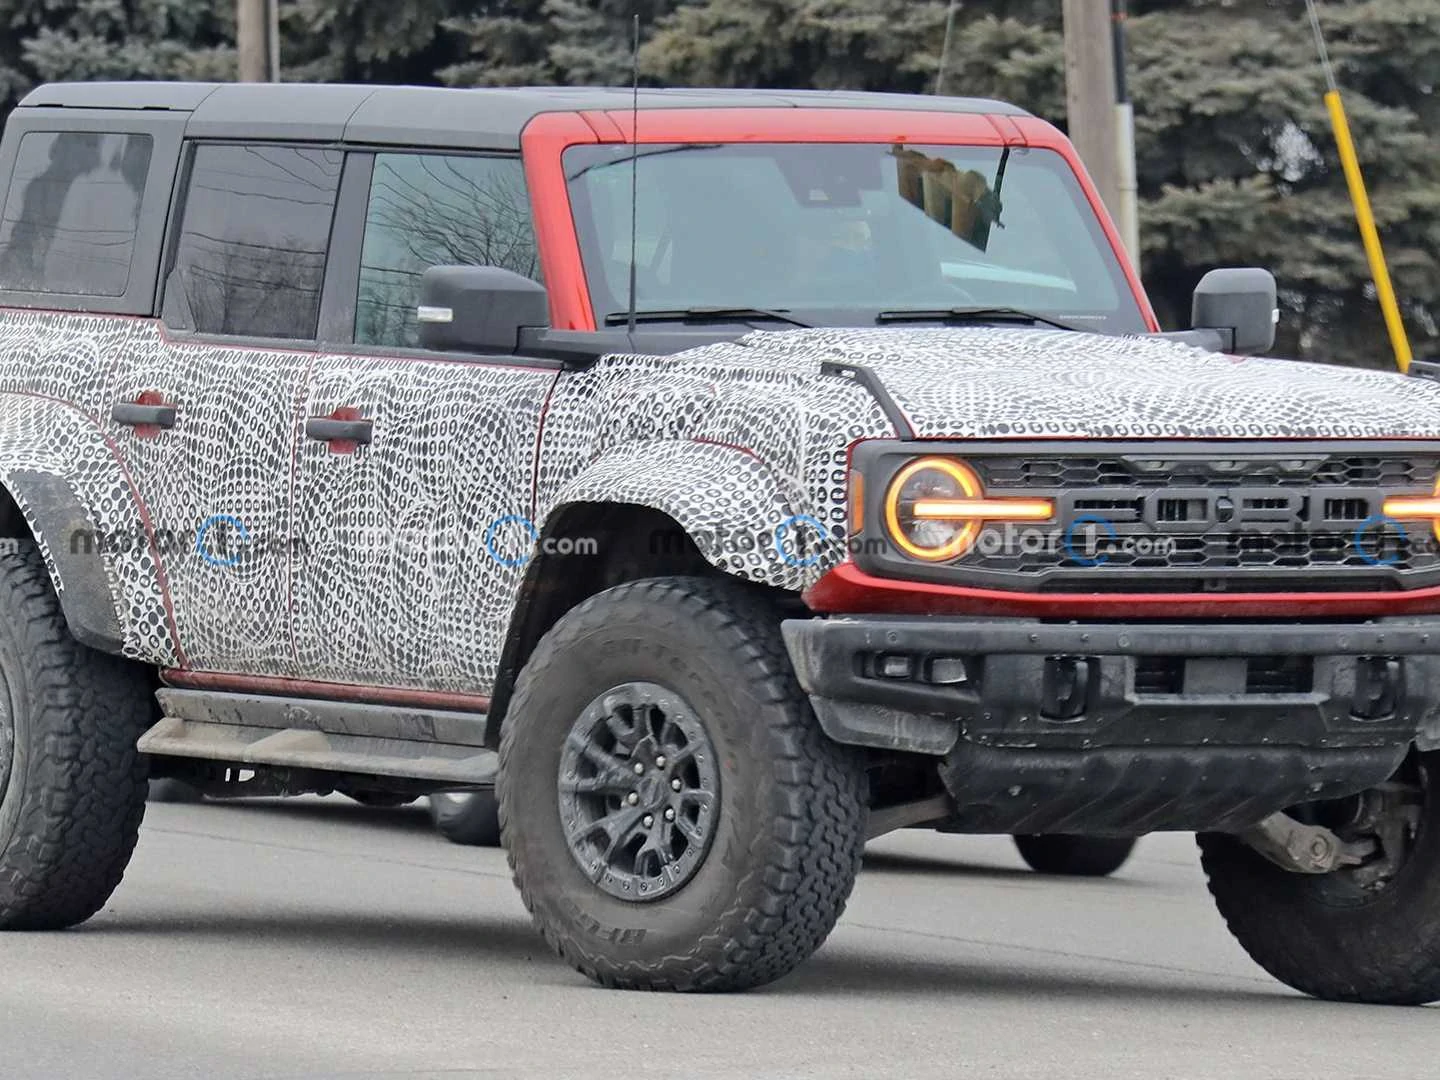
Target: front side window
[838,233]
[71,214]
[436,210]
[250,257]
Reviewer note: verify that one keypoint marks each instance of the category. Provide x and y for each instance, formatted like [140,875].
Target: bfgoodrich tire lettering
[1326,938]
[74,785]
[791,826]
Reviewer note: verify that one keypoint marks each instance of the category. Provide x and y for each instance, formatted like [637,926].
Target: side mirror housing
[478,308]
[1240,305]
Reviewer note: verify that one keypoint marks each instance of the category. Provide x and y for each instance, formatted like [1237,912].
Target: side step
[329,736]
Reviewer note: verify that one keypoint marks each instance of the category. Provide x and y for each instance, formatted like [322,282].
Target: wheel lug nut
[632,798]
[660,762]
[669,814]
[649,820]
[639,767]
[675,784]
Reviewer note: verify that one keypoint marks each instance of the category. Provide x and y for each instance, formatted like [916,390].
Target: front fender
[742,517]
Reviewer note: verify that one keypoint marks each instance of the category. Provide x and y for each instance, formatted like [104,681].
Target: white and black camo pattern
[372,568]
[987,382]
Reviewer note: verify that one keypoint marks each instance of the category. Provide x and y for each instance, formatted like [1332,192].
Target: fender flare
[66,534]
[745,519]
[725,498]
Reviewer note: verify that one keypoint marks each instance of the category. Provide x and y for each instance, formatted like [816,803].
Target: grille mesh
[1291,517]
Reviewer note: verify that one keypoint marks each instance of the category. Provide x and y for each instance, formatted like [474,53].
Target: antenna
[634,164]
[945,49]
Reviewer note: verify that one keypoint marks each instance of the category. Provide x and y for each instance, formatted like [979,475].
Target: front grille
[1151,469]
[1214,517]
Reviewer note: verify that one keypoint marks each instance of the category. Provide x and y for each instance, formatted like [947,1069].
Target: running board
[329,736]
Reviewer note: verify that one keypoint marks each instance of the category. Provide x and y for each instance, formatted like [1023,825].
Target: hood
[979,382]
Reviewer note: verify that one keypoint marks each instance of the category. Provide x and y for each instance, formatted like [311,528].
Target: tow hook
[1305,849]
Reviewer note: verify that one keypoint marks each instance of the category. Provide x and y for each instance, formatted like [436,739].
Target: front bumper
[1047,727]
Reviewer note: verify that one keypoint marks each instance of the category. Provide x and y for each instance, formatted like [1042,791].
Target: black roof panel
[434,116]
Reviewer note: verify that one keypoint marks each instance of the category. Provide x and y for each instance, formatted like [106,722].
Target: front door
[415,478]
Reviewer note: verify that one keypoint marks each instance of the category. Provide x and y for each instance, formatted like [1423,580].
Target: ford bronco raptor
[722,482]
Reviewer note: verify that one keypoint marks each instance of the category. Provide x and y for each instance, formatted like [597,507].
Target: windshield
[835,234]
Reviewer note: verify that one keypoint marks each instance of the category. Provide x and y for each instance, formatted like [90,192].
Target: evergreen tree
[506,43]
[593,39]
[1238,165]
[800,44]
[362,41]
[48,40]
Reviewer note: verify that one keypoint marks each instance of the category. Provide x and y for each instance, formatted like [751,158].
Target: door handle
[149,410]
[324,429]
[128,412]
[344,429]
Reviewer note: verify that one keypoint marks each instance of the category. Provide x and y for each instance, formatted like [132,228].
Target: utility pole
[257,39]
[1098,114]
[1129,183]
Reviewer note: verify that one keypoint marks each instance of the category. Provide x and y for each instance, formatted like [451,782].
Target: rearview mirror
[478,308]
[1240,305]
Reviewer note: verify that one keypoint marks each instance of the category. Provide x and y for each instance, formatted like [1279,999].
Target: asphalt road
[316,938]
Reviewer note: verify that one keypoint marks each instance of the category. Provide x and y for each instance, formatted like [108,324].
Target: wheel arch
[42,507]
[632,540]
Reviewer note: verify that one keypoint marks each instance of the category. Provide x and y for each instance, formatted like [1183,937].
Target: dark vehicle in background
[473,818]
[361,439]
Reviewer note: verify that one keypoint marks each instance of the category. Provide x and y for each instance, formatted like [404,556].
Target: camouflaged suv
[723,481]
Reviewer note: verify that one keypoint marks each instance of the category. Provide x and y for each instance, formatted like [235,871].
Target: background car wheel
[1369,933]
[72,784]
[381,800]
[674,817]
[467,817]
[1075,856]
[169,790]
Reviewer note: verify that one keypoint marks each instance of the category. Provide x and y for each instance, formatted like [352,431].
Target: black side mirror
[1240,305]
[478,308]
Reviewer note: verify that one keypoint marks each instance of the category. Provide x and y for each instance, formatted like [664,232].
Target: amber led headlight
[935,507]
[1415,508]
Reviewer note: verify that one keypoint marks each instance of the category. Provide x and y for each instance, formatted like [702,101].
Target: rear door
[207,408]
[411,545]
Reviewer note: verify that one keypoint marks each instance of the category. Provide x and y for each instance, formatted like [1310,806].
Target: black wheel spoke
[600,758]
[610,782]
[688,829]
[697,797]
[638,787]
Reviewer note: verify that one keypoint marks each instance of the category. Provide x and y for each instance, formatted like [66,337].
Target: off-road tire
[1074,856]
[792,805]
[1383,952]
[71,804]
[471,818]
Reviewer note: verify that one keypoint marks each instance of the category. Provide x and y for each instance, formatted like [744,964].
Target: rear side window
[71,212]
[250,257]
[436,210]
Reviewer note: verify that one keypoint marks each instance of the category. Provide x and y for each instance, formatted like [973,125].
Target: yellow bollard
[1368,233]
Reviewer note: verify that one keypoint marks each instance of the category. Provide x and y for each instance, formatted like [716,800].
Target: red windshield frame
[547,137]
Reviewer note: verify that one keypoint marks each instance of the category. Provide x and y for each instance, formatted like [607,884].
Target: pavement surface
[318,938]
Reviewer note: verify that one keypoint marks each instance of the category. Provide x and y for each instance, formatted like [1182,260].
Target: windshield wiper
[703,314]
[969,314]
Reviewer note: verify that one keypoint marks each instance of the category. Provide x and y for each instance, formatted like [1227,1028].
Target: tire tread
[819,836]
[83,793]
